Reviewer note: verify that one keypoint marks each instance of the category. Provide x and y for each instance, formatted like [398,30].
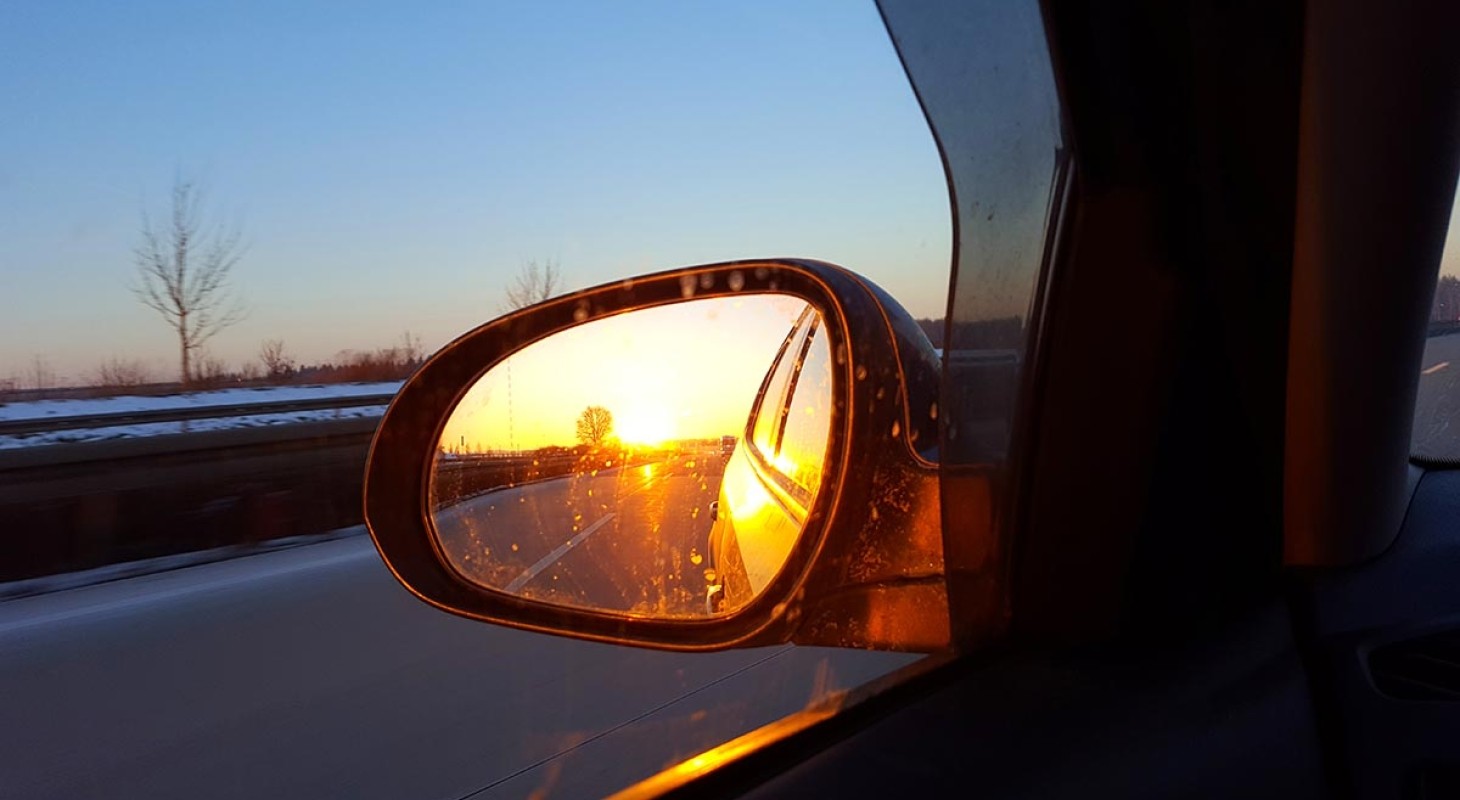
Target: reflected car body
[768,484]
[775,470]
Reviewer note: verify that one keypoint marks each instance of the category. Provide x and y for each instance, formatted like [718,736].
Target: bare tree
[183,270]
[41,376]
[277,363]
[594,425]
[410,351]
[209,371]
[119,374]
[534,284]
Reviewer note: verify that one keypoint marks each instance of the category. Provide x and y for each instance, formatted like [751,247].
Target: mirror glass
[658,463]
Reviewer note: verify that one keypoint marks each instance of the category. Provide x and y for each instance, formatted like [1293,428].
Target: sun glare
[644,425]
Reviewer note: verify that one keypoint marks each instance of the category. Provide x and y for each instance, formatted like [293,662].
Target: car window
[995,109]
[1436,432]
[770,410]
[808,416]
[184,580]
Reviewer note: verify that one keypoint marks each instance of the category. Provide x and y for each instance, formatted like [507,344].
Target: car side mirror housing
[730,455]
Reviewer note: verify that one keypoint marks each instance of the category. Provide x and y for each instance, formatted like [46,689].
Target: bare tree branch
[183,272]
[278,364]
[534,284]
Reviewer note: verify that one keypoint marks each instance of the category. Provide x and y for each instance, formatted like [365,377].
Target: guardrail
[22,427]
[79,505]
[1443,328]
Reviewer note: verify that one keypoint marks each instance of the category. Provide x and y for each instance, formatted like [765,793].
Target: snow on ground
[40,409]
[43,409]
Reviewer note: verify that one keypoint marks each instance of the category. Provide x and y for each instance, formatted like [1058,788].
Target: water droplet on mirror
[707,281]
[580,314]
[687,286]
[737,281]
[896,429]
[880,392]
[861,373]
[933,411]
[514,547]
[695,557]
[761,273]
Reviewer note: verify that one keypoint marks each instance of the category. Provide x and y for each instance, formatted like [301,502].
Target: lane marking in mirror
[558,552]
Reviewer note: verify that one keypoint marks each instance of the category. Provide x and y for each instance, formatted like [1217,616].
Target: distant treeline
[118,377]
[1447,301]
[1004,333]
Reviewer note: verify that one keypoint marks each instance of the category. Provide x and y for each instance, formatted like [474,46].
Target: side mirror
[730,455]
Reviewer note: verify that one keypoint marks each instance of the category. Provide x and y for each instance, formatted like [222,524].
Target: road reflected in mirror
[659,463]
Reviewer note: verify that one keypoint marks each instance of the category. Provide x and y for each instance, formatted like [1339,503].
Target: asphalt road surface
[629,539]
[1437,408]
[310,673]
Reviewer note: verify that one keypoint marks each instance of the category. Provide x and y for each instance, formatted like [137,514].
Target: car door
[1231,578]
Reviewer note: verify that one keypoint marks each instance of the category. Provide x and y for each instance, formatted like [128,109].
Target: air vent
[1427,668]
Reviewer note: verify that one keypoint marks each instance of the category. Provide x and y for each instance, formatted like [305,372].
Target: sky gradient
[635,365]
[394,167]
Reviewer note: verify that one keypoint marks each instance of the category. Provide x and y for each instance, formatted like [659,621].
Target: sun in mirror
[659,463]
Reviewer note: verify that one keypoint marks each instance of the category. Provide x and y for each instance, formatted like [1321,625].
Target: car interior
[1227,578]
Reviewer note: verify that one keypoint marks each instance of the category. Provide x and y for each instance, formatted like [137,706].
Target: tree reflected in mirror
[659,463]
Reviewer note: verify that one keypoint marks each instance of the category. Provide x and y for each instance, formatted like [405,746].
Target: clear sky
[394,165]
[635,365]
[1450,263]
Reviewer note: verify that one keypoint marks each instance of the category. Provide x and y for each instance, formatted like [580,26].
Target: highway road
[628,539]
[310,673]
[1437,408]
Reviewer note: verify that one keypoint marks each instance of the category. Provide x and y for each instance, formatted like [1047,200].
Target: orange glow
[644,424]
[785,464]
[687,371]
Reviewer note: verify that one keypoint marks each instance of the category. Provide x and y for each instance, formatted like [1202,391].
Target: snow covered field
[43,409]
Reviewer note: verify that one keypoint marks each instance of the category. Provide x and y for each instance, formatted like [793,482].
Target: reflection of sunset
[687,371]
[648,423]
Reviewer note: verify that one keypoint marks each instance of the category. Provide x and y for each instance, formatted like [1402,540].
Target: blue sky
[393,167]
